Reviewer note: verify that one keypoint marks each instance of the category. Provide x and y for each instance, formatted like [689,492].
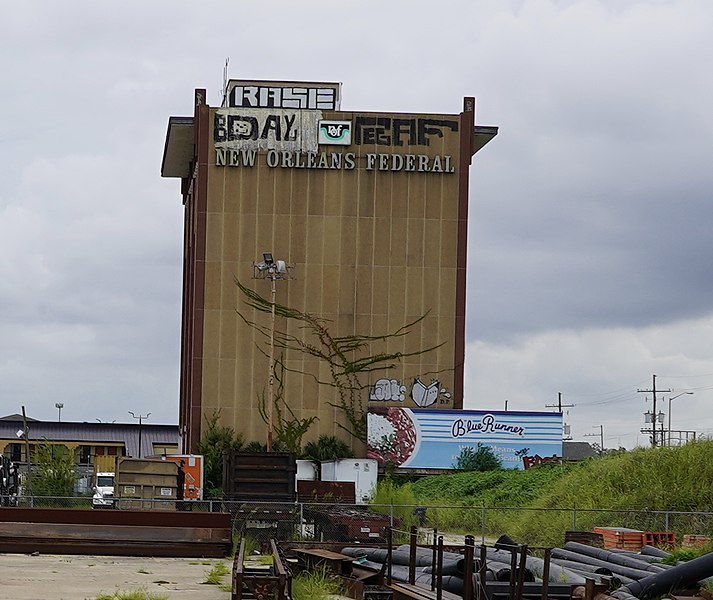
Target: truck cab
[103,491]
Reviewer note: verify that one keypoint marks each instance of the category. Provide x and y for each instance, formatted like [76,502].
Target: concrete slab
[65,577]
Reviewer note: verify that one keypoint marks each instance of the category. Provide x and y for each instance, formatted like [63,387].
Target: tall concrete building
[357,218]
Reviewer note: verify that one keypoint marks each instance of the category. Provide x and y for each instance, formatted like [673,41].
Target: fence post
[413,540]
[302,527]
[391,514]
[574,517]
[483,517]
[666,527]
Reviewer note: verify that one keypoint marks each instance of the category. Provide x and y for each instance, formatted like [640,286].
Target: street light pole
[269,268]
[669,414]
[26,433]
[271,375]
[141,418]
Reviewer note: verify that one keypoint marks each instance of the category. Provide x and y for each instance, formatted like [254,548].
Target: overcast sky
[590,220]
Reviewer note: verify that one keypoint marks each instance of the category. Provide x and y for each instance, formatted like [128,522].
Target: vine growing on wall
[289,429]
[348,358]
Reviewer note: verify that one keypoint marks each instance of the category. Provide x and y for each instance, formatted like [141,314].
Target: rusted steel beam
[114,532]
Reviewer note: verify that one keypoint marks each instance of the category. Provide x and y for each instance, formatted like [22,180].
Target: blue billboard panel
[435,439]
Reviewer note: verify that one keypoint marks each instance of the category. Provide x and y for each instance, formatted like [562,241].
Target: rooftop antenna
[224,103]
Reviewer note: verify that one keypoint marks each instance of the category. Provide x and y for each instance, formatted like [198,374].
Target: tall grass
[315,585]
[538,505]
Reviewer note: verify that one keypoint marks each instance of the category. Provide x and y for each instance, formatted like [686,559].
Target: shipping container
[146,484]
[362,471]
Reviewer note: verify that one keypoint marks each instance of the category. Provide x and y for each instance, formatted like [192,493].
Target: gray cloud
[589,213]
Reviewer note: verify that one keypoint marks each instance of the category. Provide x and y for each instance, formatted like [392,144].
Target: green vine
[347,357]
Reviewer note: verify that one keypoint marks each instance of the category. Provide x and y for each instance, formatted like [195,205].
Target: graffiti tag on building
[388,390]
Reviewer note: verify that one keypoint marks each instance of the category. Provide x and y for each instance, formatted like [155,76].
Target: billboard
[435,439]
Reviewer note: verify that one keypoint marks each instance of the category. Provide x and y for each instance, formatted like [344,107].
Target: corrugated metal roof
[95,433]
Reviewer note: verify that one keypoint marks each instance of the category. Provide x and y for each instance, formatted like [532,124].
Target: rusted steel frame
[482,570]
[439,569]
[434,558]
[546,573]
[468,553]
[283,575]
[237,591]
[151,518]
[413,538]
[389,540]
[521,571]
[513,571]
[581,592]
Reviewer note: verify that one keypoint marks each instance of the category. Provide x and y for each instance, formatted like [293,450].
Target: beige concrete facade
[374,233]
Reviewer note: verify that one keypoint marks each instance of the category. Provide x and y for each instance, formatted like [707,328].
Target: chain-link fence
[325,522]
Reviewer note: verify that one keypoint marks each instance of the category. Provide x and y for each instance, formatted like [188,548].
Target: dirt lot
[64,577]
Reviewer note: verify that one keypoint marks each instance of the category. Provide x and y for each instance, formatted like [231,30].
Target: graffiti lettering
[230,128]
[264,129]
[388,390]
[387,131]
[264,96]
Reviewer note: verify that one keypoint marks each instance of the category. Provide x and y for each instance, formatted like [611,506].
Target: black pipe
[420,550]
[682,575]
[580,567]
[398,557]
[612,557]
[635,574]
[537,567]
[649,550]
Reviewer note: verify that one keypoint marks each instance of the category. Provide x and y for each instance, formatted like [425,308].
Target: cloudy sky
[590,237]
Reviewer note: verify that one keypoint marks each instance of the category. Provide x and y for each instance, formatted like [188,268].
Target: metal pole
[141,418]
[601,434]
[27,451]
[271,373]
[655,415]
[669,414]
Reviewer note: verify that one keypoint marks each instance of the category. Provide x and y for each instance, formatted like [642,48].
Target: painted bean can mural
[445,439]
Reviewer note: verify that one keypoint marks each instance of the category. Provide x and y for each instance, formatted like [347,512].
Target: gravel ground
[65,577]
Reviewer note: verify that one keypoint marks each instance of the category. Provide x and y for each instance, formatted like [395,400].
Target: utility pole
[654,416]
[601,437]
[559,406]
